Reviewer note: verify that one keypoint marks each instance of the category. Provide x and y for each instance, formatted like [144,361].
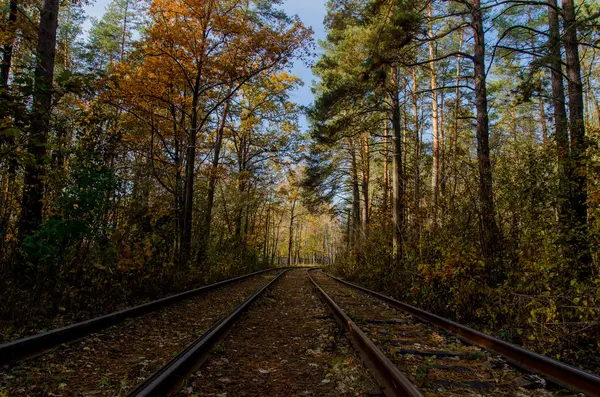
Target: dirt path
[286,345]
[113,361]
[410,344]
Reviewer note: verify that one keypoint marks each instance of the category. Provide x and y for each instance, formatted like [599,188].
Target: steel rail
[35,345]
[393,382]
[168,379]
[560,373]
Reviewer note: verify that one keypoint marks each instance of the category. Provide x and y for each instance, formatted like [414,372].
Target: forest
[449,159]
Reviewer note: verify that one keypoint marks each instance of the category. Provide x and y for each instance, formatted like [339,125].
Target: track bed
[286,345]
[113,361]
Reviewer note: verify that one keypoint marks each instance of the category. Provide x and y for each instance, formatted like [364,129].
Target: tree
[213,52]
[33,190]
[111,37]
[491,236]
[577,133]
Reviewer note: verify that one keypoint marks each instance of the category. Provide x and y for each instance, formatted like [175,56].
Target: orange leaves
[195,46]
[193,50]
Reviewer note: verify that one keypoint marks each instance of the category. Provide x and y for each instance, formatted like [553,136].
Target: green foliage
[112,35]
[79,214]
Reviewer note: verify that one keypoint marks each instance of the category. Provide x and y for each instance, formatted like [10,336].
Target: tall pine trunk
[417,157]
[579,237]
[457,100]
[386,172]
[435,123]
[561,133]
[490,234]
[355,225]
[33,184]
[398,181]
[365,158]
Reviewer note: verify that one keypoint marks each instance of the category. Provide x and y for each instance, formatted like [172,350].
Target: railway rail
[436,356]
[35,345]
[170,377]
[409,352]
[113,361]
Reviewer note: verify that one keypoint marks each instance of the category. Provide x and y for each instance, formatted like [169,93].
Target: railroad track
[112,353]
[407,355]
[35,345]
[415,353]
[408,351]
[170,377]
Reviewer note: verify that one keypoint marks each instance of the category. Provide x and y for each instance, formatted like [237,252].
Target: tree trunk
[355,229]
[212,184]
[7,49]
[8,186]
[538,83]
[265,253]
[398,182]
[186,240]
[33,184]
[298,245]
[275,245]
[578,140]
[291,239]
[490,235]
[386,178]
[457,100]
[561,133]
[435,170]
[417,157]
[124,33]
[365,176]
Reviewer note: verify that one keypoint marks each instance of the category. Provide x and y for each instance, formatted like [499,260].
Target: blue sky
[312,13]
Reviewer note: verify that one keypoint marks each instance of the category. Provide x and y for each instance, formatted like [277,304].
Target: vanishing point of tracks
[203,344]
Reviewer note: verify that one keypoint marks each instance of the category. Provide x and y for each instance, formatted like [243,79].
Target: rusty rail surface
[560,373]
[170,377]
[35,345]
[389,377]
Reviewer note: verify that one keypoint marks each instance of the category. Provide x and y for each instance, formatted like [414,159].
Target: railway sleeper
[391,321]
[470,355]
[406,342]
[530,382]
[475,384]
[454,368]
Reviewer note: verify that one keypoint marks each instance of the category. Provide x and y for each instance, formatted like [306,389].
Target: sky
[311,12]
